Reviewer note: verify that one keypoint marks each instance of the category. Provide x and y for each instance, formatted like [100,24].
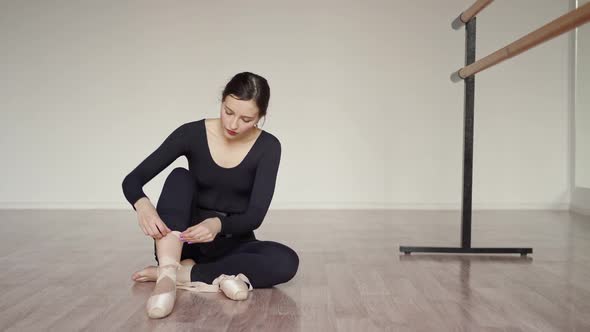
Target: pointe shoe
[234,287]
[161,302]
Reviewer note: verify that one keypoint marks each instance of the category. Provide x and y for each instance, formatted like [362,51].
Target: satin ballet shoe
[233,287]
[161,302]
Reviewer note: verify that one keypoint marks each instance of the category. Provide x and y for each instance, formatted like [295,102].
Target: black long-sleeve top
[244,191]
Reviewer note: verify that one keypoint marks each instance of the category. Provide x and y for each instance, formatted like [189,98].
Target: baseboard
[581,201]
[305,206]
[419,206]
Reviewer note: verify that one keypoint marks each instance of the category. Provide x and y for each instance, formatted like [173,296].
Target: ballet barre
[564,23]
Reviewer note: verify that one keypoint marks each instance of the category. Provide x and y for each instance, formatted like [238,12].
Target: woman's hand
[149,221]
[205,231]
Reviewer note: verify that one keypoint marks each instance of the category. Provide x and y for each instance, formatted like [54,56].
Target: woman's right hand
[149,221]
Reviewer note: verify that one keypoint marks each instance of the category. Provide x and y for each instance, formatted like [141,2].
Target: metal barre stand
[467,168]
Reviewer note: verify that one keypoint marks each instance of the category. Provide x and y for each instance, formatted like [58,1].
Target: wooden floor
[70,270]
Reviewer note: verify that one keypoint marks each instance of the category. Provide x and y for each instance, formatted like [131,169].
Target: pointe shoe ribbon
[234,287]
[161,304]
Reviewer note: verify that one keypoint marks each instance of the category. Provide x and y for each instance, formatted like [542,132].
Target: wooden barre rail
[478,6]
[470,13]
[550,30]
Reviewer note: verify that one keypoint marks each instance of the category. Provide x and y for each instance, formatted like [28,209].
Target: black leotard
[244,191]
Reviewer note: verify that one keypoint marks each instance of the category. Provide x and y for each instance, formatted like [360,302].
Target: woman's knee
[179,183]
[287,263]
[175,202]
[180,175]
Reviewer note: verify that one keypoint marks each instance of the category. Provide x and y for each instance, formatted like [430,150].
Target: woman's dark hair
[249,86]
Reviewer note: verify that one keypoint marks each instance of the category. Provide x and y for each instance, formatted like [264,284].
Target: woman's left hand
[205,231]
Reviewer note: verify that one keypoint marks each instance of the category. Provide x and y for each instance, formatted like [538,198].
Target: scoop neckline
[211,156]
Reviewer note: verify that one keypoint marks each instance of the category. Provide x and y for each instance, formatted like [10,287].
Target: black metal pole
[468,137]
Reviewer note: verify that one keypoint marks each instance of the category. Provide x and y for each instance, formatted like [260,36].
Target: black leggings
[265,263]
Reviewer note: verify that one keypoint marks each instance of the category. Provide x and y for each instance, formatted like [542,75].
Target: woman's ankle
[183,275]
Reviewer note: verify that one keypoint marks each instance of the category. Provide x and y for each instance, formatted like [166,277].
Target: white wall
[583,105]
[581,191]
[360,98]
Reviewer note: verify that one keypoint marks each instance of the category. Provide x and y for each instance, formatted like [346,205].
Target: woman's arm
[174,146]
[260,198]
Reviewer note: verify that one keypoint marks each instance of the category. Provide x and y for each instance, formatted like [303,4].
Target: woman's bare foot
[150,273]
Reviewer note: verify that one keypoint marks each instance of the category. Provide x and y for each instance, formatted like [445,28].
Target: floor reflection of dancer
[204,222]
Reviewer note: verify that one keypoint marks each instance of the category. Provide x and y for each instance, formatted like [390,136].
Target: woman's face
[238,116]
